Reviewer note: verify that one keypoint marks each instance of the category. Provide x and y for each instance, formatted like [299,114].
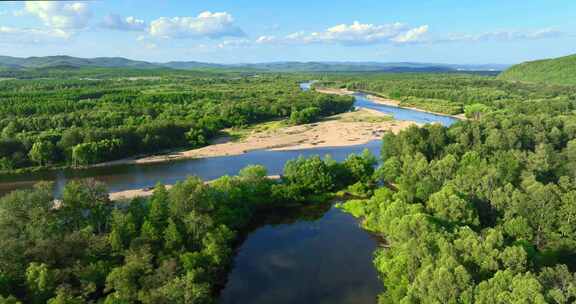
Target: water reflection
[322,259]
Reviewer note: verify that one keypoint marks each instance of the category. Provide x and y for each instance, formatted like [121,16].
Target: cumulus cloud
[505,36]
[354,34]
[413,35]
[32,36]
[117,22]
[60,15]
[206,24]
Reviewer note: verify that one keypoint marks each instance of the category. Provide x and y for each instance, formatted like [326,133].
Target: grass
[241,133]
[367,118]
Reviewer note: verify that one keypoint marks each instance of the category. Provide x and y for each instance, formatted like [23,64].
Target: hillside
[15,63]
[553,71]
[60,61]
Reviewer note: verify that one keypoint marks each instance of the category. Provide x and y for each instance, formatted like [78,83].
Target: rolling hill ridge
[16,63]
[561,71]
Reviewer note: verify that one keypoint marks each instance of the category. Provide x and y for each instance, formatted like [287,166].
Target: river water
[125,177]
[323,257]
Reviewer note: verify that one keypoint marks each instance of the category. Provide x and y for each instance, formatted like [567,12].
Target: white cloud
[504,36]
[354,34]
[206,24]
[236,43]
[60,15]
[32,36]
[266,39]
[413,35]
[116,22]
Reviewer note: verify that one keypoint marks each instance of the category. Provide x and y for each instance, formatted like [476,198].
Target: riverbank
[385,101]
[146,192]
[347,129]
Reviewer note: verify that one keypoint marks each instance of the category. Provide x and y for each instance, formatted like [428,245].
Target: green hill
[15,63]
[553,71]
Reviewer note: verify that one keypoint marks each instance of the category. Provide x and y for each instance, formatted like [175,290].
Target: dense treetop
[452,93]
[483,211]
[90,119]
[173,247]
[560,71]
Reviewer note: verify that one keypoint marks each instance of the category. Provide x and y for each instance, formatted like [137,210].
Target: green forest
[483,211]
[560,71]
[174,247]
[102,114]
[454,93]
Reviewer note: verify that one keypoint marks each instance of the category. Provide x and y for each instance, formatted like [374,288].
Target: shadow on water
[309,254]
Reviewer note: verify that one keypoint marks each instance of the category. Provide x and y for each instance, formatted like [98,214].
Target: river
[135,176]
[318,257]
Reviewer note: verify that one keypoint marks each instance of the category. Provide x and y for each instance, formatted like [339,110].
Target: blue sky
[233,31]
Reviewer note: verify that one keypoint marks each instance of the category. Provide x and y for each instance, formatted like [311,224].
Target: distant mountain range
[7,62]
[553,71]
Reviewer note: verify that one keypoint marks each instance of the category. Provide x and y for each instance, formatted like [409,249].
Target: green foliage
[483,211]
[310,175]
[475,111]
[173,247]
[452,93]
[40,282]
[91,116]
[42,152]
[432,105]
[448,205]
[558,71]
[9,300]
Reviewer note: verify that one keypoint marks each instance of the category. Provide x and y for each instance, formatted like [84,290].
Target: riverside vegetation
[483,211]
[96,117]
[455,93]
[480,212]
[173,247]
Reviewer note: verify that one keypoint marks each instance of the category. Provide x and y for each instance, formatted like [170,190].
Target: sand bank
[347,129]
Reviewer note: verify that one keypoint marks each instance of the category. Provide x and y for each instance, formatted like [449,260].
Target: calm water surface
[325,259]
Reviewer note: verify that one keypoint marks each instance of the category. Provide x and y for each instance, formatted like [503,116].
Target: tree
[64,297]
[124,282]
[312,175]
[304,116]
[173,240]
[559,283]
[9,300]
[158,210]
[447,282]
[505,287]
[196,137]
[475,111]
[449,206]
[40,282]
[43,152]
[361,167]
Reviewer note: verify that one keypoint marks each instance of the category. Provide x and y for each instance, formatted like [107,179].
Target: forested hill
[554,71]
[15,63]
